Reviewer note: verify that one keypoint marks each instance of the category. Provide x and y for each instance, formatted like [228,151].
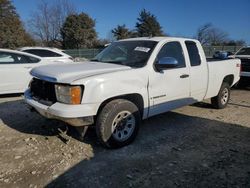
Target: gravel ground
[194,146]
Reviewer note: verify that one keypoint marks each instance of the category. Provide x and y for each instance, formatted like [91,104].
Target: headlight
[68,94]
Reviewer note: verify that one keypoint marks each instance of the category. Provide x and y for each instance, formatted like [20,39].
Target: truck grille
[245,65]
[43,91]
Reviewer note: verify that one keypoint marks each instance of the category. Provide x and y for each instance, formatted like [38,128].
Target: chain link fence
[91,53]
[83,53]
[210,50]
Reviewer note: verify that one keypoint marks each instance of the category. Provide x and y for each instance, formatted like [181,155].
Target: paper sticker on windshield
[142,49]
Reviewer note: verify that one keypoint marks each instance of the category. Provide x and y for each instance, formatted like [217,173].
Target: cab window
[174,50]
[193,53]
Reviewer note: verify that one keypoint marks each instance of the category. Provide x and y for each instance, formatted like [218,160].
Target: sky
[177,17]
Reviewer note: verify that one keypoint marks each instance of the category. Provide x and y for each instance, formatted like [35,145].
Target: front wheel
[221,100]
[118,123]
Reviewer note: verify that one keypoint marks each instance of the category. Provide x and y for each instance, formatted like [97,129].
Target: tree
[12,33]
[148,25]
[47,21]
[207,34]
[122,32]
[218,37]
[203,34]
[78,31]
[101,43]
[235,43]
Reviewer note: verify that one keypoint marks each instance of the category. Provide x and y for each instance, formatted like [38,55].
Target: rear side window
[13,58]
[193,53]
[32,59]
[43,53]
[172,49]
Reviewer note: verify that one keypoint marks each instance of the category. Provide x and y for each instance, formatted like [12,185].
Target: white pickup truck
[244,55]
[131,80]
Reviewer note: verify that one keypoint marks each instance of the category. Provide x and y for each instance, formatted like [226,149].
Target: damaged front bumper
[75,115]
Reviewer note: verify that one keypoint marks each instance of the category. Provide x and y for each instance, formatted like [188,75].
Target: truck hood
[67,73]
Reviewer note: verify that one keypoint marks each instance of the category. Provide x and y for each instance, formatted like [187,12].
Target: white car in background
[49,54]
[15,69]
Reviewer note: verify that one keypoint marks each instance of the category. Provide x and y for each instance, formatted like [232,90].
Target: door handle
[184,76]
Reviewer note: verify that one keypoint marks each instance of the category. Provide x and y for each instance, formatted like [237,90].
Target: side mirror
[165,63]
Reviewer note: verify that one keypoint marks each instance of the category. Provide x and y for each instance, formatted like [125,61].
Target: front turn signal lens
[76,94]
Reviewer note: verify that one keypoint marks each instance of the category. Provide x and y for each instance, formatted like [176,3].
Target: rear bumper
[75,115]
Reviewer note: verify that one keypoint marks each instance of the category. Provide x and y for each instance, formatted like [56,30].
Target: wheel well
[134,98]
[229,79]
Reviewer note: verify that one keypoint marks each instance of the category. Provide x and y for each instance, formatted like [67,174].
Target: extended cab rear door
[198,70]
[169,89]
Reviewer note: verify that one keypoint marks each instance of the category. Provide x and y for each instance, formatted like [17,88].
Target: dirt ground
[194,146]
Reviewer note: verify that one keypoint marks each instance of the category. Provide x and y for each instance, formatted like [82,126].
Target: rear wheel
[221,100]
[118,123]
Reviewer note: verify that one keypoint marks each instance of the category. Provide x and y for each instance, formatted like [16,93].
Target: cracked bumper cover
[75,115]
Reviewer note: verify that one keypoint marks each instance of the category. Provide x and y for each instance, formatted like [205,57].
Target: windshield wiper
[114,62]
[96,60]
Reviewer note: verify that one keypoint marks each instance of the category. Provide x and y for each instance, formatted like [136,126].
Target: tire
[221,100]
[118,123]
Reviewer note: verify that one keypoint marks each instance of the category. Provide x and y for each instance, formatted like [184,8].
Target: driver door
[170,88]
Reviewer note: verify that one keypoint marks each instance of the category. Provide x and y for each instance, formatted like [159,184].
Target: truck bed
[217,70]
[210,59]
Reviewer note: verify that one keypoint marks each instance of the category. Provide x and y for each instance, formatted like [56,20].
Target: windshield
[243,51]
[129,53]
